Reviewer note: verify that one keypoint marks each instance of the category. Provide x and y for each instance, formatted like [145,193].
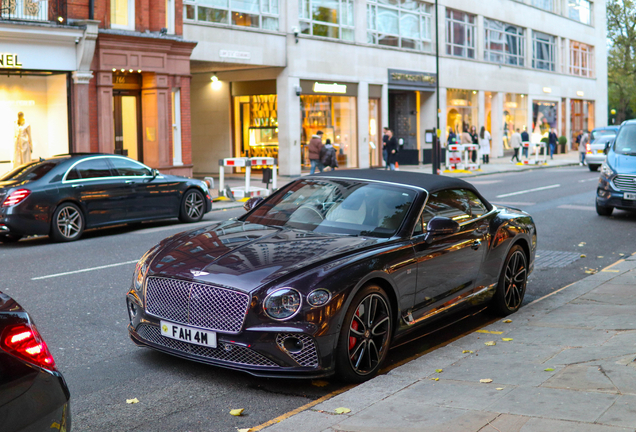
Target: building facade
[268,74]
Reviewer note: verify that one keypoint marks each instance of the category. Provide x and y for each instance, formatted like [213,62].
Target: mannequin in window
[23,143]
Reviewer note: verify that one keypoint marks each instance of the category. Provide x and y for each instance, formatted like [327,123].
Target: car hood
[246,256]
[622,164]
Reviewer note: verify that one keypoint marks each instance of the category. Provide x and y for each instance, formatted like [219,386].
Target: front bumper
[608,196]
[259,351]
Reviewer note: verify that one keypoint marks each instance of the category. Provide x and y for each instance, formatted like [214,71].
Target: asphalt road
[80,311]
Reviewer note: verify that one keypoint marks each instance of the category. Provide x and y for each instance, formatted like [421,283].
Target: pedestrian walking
[525,142]
[315,145]
[475,138]
[452,138]
[392,147]
[385,155]
[328,157]
[552,142]
[585,138]
[484,144]
[515,143]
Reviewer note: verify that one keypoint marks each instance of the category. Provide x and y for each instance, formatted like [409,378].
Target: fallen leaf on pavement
[499,388]
[506,339]
[342,410]
[600,256]
[621,254]
[508,321]
[132,401]
[319,383]
[434,379]
[591,271]
[243,430]
[467,352]
[237,412]
[485,381]
[581,244]
[548,369]
[490,343]
[439,370]
[583,256]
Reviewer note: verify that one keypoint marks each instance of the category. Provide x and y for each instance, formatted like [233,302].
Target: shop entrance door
[127,121]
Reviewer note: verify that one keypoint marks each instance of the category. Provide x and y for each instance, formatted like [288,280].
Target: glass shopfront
[544,117]
[42,130]
[582,117]
[256,126]
[515,115]
[330,108]
[461,110]
[375,133]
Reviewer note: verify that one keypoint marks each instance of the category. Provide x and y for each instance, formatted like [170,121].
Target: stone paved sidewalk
[568,368]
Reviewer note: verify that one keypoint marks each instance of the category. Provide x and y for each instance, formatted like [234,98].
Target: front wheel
[365,336]
[512,282]
[603,211]
[67,223]
[192,206]
[593,168]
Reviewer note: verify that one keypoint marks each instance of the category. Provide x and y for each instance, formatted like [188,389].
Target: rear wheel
[512,282]
[603,211]
[593,167]
[365,336]
[192,206]
[67,223]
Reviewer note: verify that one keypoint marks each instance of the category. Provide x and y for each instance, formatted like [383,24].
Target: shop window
[461,111]
[335,116]
[580,10]
[29,10]
[515,115]
[122,14]
[460,34]
[581,59]
[544,117]
[244,13]
[256,126]
[375,137]
[170,16]
[543,51]
[544,4]
[327,18]
[406,24]
[504,43]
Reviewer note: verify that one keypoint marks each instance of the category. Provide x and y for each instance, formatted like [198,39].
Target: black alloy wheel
[603,211]
[67,223]
[365,336]
[9,238]
[192,206]
[512,282]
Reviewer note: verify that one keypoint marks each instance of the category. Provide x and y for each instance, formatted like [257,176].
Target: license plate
[629,196]
[188,334]
[600,151]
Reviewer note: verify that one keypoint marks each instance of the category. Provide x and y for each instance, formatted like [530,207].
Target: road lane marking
[587,180]
[84,270]
[607,269]
[485,182]
[528,191]
[576,207]
[489,332]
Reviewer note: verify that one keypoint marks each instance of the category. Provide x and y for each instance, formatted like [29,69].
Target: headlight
[141,269]
[282,303]
[606,170]
[318,297]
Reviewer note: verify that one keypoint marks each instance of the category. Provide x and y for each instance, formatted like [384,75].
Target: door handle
[77,185]
[476,244]
[130,181]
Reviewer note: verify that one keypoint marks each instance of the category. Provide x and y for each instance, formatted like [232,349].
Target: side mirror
[607,146]
[155,172]
[441,226]
[252,203]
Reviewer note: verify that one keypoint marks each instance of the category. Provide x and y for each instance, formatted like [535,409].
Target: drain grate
[555,259]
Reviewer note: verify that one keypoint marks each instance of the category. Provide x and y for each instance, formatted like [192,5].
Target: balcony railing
[33,10]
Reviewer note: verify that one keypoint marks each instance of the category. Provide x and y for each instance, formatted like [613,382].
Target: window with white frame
[544,4]
[122,14]
[504,43]
[543,51]
[245,13]
[580,10]
[406,24]
[170,16]
[460,34]
[581,59]
[327,18]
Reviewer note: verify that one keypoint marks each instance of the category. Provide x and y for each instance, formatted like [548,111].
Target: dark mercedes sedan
[62,196]
[33,394]
[323,275]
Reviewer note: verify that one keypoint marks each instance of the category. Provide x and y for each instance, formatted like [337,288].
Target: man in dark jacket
[328,157]
[315,145]
[552,142]
[525,138]
[385,155]
[392,150]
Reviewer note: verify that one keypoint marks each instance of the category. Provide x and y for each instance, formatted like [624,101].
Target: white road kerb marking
[83,270]
[529,190]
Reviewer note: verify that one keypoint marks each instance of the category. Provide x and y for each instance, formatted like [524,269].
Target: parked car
[324,274]
[64,195]
[617,184]
[34,396]
[599,140]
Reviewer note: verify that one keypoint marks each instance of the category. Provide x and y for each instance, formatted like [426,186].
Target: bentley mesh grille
[196,304]
[226,352]
[626,183]
[308,356]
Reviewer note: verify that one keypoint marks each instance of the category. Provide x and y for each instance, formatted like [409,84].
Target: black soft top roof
[432,183]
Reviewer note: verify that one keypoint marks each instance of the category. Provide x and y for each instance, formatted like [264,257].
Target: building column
[156,120]
[289,132]
[566,56]
[384,106]
[360,20]
[496,119]
[81,132]
[529,49]
[105,123]
[481,109]
[363,125]
[480,36]
[442,115]
[568,123]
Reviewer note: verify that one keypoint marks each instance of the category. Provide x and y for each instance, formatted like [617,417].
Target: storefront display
[582,117]
[461,111]
[544,117]
[42,129]
[256,126]
[375,134]
[515,115]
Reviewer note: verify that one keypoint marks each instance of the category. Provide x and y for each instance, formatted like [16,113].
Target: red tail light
[16,197]
[24,342]
[588,148]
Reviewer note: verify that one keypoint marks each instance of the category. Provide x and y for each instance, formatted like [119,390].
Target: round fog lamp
[282,303]
[319,297]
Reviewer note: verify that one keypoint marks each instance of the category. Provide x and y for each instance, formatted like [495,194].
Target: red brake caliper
[354,325]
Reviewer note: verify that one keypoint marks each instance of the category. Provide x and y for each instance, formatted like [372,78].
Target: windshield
[30,171]
[345,207]
[626,140]
[598,133]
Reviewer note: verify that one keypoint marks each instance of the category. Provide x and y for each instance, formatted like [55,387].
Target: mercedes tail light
[24,342]
[16,197]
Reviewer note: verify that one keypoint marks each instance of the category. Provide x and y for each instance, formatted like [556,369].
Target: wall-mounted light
[138,70]
[130,70]
[474,91]
[216,84]
[114,70]
[123,70]
[523,96]
[547,90]
[580,93]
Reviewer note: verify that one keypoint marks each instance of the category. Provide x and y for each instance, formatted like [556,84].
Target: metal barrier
[456,152]
[248,190]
